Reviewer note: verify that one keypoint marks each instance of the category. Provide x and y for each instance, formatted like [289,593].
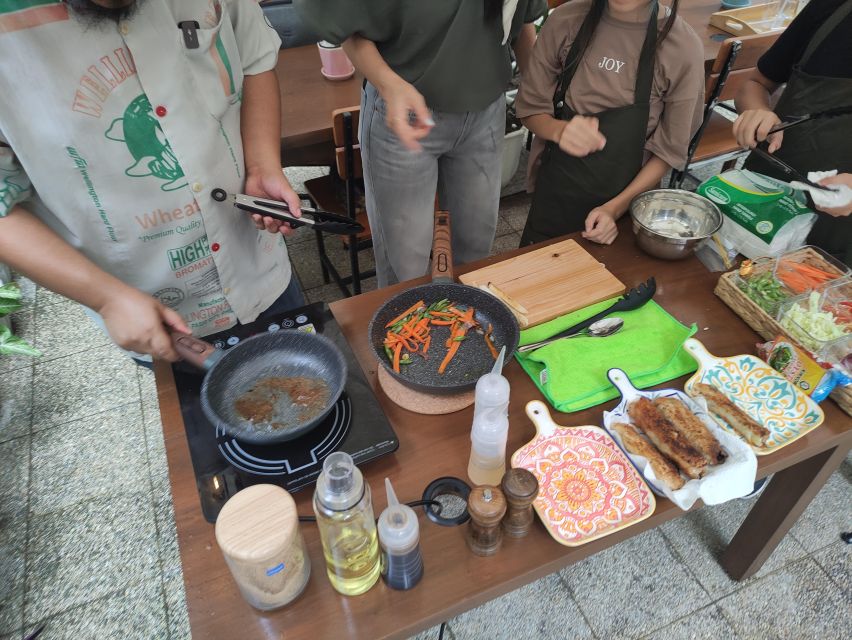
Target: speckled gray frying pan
[473,358]
[240,372]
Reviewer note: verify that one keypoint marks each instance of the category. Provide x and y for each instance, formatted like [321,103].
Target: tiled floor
[88,544]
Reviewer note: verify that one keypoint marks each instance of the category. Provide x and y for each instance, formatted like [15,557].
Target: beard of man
[97,13]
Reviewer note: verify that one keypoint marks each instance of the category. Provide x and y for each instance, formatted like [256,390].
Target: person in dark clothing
[814,58]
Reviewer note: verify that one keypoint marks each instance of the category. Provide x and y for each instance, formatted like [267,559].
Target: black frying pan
[250,389]
[473,358]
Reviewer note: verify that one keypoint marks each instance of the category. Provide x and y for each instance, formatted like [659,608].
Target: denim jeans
[461,160]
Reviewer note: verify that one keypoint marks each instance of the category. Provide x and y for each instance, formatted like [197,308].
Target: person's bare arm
[600,223]
[260,126]
[756,117]
[134,319]
[401,98]
[523,46]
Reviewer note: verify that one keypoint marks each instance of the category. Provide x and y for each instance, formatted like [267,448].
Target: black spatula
[633,299]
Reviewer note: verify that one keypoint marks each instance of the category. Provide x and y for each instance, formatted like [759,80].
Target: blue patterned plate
[760,391]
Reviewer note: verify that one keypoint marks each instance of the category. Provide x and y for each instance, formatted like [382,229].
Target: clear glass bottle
[344,510]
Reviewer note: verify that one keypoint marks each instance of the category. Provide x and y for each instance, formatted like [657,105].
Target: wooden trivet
[420,402]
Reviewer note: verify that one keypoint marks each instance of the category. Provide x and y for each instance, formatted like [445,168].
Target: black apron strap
[827,27]
[644,74]
[572,61]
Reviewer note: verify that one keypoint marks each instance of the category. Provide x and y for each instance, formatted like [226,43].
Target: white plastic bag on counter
[762,216]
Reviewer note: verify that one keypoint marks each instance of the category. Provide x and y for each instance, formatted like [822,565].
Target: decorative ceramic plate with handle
[587,486]
[760,391]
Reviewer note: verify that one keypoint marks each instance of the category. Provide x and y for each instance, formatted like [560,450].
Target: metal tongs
[314,218]
[792,121]
[789,171]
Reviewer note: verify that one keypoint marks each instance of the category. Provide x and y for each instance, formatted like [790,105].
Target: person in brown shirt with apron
[613,93]
[814,57]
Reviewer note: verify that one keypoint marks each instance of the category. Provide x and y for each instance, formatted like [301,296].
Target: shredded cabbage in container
[811,326]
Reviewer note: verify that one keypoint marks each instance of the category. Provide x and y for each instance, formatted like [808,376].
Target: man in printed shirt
[116,124]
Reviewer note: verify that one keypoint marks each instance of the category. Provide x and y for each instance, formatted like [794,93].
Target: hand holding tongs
[792,121]
[314,218]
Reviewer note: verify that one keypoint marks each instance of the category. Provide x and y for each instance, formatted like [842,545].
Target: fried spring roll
[665,471]
[690,425]
[666,438]
[753,432]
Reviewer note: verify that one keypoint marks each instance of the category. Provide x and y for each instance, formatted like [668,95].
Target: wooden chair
[324,192]
[714,139]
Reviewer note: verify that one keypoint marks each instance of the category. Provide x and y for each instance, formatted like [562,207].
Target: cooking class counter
[432,446]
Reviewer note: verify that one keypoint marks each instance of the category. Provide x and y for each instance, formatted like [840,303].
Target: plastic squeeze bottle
[488,448]
[399,537]
[490,427]
[492,389]
[347,528]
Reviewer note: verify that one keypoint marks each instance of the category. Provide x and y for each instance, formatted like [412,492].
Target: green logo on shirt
[143,135]
[14,187]
[187,254]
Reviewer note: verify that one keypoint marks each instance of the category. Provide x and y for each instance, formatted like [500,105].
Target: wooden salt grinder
[520,488]
[486,506]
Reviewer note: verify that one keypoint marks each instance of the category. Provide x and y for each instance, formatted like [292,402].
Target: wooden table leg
[785,498]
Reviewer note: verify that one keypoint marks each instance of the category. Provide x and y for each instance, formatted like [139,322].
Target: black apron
[817,145]
[568,188]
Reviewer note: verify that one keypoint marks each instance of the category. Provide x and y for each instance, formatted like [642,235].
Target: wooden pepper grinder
[486,506]
[520,488]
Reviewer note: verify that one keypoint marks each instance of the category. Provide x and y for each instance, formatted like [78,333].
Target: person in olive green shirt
[432,115]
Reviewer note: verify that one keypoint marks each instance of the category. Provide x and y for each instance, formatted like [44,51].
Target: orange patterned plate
[587,486]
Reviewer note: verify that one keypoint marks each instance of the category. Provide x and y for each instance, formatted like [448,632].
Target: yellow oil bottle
[344,510]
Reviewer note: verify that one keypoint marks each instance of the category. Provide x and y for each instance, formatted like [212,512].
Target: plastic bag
[762,216]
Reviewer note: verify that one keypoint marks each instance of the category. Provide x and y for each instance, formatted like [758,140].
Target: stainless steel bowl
[669,223]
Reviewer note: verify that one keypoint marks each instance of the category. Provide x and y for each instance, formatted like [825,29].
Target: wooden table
[307,98]
[697,14]
[430,447]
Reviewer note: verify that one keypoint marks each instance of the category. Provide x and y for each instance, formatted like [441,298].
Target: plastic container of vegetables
[808,269]
[839,353]
[837,298]
[814,319]
[756,278]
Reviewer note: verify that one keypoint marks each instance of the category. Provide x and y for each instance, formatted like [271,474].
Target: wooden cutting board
[547,283]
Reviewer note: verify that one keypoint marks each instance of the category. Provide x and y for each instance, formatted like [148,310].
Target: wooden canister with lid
[520,488]
[486,505]
[258,533]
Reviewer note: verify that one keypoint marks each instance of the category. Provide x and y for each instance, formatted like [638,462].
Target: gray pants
[461,160]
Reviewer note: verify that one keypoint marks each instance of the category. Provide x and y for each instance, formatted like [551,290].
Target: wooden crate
[766,326]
